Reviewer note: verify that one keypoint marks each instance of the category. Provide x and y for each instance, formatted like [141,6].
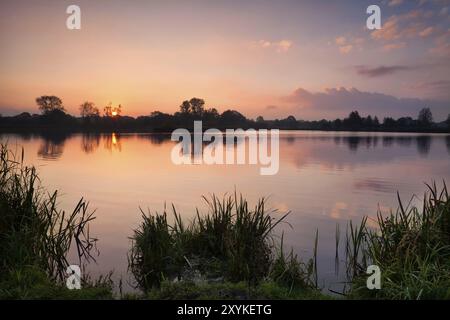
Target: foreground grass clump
[411,247]
[231,243]
[35,237]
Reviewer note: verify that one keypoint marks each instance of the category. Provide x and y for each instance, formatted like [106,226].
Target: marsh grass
[35,236]
[411,246]
[231,242]
[291,272]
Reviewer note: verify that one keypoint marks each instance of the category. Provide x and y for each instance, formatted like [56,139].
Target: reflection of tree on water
[388,141]
[423,144]
[90,142]
[447,142]
[354,142]
[404,141]
[290,140]
[155,138]
[112,142]
[25,136]
[52,146]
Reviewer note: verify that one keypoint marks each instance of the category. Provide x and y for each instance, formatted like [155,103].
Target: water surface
[325,179]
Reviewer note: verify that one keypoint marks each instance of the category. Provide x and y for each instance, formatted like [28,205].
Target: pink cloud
[279,46]
[426,32]
[345,49]
[394,46]
[394,3]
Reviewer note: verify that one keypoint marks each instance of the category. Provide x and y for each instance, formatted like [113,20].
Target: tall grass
[411,246]
[33,232]
[231,242]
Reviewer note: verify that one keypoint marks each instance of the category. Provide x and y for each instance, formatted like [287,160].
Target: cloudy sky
[312,59]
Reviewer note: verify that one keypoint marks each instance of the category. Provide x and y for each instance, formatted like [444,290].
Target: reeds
[411,246]
[33,231]
[231,242]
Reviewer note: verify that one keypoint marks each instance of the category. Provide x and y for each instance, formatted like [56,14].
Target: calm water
[325,178]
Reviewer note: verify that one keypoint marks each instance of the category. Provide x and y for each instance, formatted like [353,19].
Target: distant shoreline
[56,130]
[54,119]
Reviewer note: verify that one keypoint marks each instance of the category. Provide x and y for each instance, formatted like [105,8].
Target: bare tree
[48,104]
[107,110]
[117,110]
[88,109]
[111,111]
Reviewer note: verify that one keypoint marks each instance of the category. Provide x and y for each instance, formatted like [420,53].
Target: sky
[312,59]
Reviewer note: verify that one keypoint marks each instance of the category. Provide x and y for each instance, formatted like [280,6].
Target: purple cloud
[381,70]
[338,102]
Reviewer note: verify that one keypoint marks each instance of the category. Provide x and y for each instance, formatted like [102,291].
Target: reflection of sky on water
[324,179]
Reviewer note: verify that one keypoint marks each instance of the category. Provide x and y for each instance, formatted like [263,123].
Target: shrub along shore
[228,252]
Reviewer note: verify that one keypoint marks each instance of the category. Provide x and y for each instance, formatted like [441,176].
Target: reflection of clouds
[372,223]
[281,207]
[374,184]
[384,210]
[339,210]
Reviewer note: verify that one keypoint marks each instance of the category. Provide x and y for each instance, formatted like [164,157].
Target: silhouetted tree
[376,122]
[197,106]
[107,110]
[110,111]
[405,122]
[389,123]
[337,124]
[49,104]
[291,119]
[425,117]
[368,122]
[117,111]
[185,107]
[232,117]
[88,109]
[354,120]
[211,114]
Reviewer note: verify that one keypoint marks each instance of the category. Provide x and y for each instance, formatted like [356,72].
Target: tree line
[53,116]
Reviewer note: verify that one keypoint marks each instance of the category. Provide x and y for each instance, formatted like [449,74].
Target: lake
[325,179]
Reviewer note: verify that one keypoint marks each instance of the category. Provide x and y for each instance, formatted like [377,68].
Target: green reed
[411,246]
[34,233]
[231,242]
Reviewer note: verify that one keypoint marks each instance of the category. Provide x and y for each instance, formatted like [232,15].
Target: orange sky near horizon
[251,56]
